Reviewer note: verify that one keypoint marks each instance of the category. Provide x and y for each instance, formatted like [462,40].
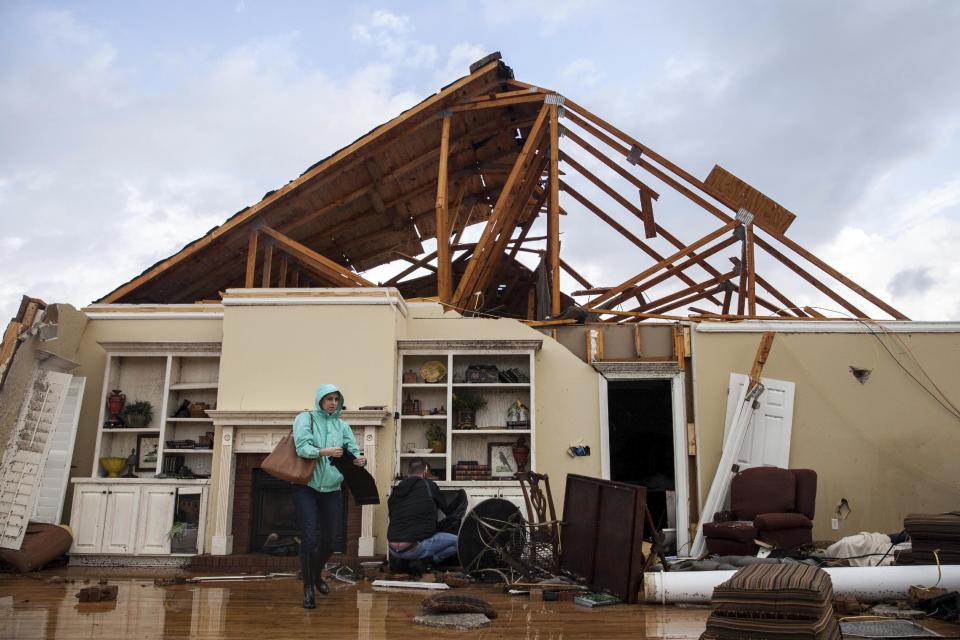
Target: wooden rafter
[710,237]
[643,150]
[444,269]
[553,217]
[320,264]
[499,224]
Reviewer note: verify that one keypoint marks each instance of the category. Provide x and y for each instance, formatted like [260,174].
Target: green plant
[139,412]
[436,433]
[177,530]
[468,400]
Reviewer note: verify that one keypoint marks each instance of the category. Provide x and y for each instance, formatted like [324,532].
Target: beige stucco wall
[567,390]
[93,360]
[886,446]
[275,357]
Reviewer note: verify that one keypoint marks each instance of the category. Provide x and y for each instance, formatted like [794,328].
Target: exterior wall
[275,356]
[93,362]
[567,390]
[886,446]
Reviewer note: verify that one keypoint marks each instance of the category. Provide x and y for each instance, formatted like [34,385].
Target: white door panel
[767,442]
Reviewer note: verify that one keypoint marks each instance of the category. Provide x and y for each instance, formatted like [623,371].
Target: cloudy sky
[127,129]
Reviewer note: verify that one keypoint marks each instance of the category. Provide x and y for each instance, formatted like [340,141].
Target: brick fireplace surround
[242,507]
[243,440]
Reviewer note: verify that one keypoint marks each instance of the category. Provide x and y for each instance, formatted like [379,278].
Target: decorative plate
[433,371]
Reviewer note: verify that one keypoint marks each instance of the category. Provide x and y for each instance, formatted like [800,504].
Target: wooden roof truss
[486,150]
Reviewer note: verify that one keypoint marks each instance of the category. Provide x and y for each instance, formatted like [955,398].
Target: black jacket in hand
[413,508]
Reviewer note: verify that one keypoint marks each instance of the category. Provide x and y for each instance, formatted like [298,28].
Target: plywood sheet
[768,214]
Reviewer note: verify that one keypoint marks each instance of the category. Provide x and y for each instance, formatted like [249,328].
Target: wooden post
[282,276]
[763,351]
[251,259]
[751,272]
[742,286]
[267,265]
[295,278]
[553,219]
[444,268]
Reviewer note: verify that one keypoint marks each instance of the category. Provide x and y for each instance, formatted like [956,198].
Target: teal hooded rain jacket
[315,430]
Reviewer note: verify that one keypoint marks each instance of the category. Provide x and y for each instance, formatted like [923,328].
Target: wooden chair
[543,528]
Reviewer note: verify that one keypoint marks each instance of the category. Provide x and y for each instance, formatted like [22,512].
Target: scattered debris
[458,603]
[167,582]
[592,599]
[462,621]
[454,579]
[56,580]
[241,578]
[884,629]
[847,604]
[98,594]
[895,611]
[405,584]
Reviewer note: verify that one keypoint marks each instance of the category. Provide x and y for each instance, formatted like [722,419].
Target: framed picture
[500,457]
[148,450]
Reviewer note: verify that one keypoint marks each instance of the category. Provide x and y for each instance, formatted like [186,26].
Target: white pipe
[867,584]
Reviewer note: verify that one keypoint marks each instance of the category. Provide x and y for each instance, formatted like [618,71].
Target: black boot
[306,568]
[318,566]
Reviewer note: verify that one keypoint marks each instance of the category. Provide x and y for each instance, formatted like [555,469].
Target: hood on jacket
[323,390]
[406,486]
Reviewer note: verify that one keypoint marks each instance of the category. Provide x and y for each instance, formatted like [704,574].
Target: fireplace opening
[272,512]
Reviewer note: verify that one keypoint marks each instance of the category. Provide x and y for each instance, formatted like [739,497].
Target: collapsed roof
[485,150]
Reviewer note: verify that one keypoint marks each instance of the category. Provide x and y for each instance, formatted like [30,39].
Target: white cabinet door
[120,528]
[476,495]
[87,517]
[156,518]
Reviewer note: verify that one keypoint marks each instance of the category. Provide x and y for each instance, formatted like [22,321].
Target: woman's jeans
[315,507]
[437,547]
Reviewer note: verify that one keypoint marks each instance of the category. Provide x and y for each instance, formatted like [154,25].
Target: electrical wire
[941,399]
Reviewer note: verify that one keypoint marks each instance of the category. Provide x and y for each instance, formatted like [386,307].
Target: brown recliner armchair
[766,503]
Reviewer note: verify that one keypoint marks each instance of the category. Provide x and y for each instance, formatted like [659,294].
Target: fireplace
[243,440]
[272,511]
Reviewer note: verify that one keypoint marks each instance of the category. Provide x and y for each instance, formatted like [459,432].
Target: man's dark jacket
[413,508]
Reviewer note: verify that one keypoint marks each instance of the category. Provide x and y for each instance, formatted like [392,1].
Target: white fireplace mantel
[259,431]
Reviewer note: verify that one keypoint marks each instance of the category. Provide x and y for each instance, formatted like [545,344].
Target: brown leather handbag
[284,463]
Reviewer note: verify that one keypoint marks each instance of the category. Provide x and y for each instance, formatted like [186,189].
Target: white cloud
[389,33]
[461,56]
[100,192]
[583,71]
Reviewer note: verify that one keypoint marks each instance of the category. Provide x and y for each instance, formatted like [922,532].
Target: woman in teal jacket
[320,434]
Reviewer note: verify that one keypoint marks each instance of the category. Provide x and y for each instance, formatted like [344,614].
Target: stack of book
[471,470]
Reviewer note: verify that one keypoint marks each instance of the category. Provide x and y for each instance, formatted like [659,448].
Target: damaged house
[150,411]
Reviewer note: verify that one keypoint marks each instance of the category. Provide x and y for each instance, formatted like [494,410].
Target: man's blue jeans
[437,547]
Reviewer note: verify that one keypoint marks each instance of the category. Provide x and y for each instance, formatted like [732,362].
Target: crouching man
[413,532]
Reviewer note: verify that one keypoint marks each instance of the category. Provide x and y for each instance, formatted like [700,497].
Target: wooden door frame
[678,401]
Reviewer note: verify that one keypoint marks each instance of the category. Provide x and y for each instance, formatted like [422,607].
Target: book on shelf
[596,599]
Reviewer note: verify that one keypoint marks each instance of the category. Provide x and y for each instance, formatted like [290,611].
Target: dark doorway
[272,512]
[641,440]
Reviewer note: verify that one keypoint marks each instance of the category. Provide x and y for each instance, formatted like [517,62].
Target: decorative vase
[113,466]
[438,446]
[521,453]
[137,420]
[465,419]
[115,402]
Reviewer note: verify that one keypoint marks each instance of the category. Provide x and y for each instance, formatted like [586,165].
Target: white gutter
[867,584]
[828,326]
